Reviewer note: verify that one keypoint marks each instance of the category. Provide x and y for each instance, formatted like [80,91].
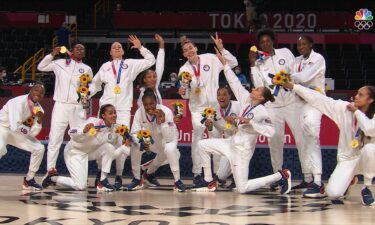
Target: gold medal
[117,90]
[354,143]
[63,50]
[92,131]
[228,125]
[197,91]
[36,110]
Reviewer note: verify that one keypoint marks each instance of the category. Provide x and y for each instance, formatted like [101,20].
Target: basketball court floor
[163,206]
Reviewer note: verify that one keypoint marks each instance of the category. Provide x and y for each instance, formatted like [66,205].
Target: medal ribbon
[197,72]
[248,110]
[31,105]
[227,111]
[117,76]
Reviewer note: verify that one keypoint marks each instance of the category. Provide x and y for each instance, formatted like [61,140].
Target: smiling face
[189,51]
[150,79]
[116,50]
[362,98]
[79,51]
[149,103]
[109,116]
[266,43]
[223,97]
[304,47]
[37,93]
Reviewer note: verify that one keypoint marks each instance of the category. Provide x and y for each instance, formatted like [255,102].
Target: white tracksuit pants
[279,116]
[345,170]
[62,115]
[197,135]
[26,143]
[77,163]
[239,149]
[310,155]
[164,151]
[123,117]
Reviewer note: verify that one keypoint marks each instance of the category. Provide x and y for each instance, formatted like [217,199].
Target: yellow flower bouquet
[178,108]
[209,114]
[185,79]
[278,80]
[144,138]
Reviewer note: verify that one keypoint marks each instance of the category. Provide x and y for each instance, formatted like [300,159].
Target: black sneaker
[367,198]
[315,191]
[31,185]
[135,185]
[179,186]
[205,186]
[150,180]
[197,179]
[118,183]
[47,181]
[232,186]
[104,185]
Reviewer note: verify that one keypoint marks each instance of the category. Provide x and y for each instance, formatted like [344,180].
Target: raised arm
[46,65]
[160,59]
[334,109]
[229,58]
[140,64]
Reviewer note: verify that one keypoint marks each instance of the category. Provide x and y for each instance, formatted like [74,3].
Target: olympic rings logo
[363,24]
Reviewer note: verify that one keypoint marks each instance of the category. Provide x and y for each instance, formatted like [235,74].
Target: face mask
[173,79]
[237,71]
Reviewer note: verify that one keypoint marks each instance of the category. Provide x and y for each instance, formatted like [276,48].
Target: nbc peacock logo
[363,19]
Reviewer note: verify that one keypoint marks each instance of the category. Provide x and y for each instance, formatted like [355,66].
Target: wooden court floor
[162,206]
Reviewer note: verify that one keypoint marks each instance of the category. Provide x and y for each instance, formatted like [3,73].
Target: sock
[103,176]
[176,175]
[54,178]
[207,174]
[196,174]
[318,179]
[119,173]
[308,177]
[30,175]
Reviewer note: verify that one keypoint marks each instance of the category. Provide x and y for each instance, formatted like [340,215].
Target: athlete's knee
[332,192]
[368,151]
[241,189]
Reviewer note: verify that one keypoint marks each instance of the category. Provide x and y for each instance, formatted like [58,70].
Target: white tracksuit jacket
[240,148]
[284,108]
[13,132]
[310,73]
[165,136]
[66,110]
[348,159]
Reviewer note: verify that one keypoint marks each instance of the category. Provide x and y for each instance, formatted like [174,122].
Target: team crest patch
[282,61]
[125,66]
[81,70]
[206,67]
[73,131]
[250,116]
